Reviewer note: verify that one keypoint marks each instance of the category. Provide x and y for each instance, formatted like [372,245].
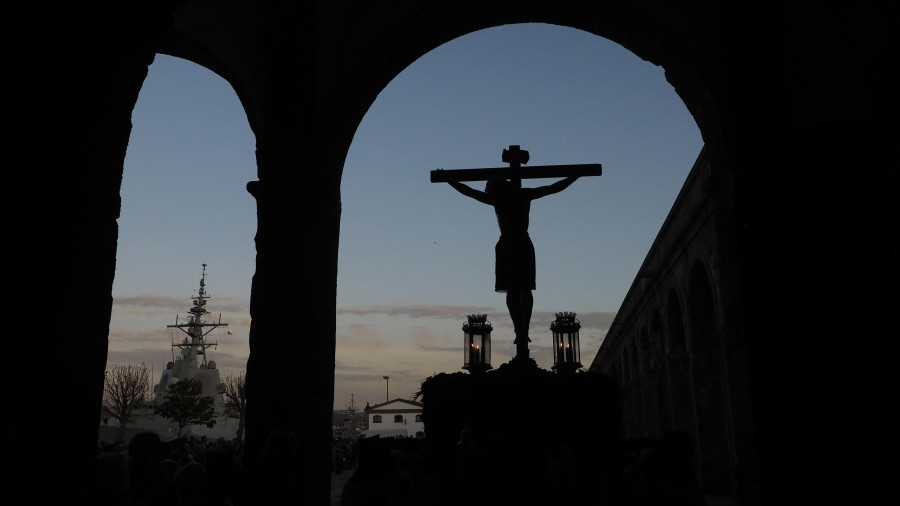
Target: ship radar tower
[195,344]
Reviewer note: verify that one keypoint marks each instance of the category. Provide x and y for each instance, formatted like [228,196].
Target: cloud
[340,366]
[423,340]
[598,320]
[137,336]
[144,302]
[154,304]
[407,342]
[414,311]
[592,320]
[357,336]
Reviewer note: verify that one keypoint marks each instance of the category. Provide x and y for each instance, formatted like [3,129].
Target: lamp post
[477,343]
[566,353]
[387,388]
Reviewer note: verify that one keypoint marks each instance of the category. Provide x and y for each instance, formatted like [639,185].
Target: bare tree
[236,399]
[125,388]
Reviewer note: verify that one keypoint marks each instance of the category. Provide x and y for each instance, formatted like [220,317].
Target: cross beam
[536,172]
[514,156]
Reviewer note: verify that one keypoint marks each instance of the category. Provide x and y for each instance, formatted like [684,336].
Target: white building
[396,418]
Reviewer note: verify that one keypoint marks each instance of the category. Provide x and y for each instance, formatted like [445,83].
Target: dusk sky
[415,257]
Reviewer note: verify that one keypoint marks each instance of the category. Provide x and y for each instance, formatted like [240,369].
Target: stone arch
[678,377]
[657,343]
[327,139]
[643,347]
[635,385]
[660,388]
[428,30]
[361,89]
[648,385]
[275,106]
[625,382]
[386,55]
[710,377]
[634,358]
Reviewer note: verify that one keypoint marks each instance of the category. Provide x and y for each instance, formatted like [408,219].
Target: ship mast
[196,329]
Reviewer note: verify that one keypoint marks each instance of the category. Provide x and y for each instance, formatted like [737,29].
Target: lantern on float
[566,352]
[476,343]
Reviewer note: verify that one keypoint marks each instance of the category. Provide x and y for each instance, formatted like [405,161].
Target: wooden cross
[516,157]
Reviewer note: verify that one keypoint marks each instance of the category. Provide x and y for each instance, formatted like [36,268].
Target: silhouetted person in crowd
[387,476]
[149,481]
[471,473]
[224,479]
[337,457]
[112,485]
[663,475]
[352,452]
[275,479]
[514,263]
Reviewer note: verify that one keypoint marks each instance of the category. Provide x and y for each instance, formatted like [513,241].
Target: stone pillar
[71,117]
[290,371]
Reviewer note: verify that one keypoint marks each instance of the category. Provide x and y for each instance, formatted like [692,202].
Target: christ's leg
[515,311]
[527,301]
[520,304]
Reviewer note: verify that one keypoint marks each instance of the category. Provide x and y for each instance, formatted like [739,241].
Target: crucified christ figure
[514,267]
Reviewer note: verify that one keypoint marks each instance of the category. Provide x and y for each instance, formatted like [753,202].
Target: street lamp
[387,388]
[566,355]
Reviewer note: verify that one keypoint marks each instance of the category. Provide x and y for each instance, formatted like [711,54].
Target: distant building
[396,418]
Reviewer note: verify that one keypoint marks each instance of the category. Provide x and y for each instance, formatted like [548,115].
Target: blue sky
[415,257]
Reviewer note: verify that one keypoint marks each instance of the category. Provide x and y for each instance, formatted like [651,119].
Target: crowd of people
[198,471]
[190,471]
[344,454]
[185,471]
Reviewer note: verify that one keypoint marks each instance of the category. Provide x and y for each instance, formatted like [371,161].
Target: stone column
[70,115]
[290,371]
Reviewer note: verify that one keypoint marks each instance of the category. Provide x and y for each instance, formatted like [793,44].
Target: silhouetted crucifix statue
[514,264]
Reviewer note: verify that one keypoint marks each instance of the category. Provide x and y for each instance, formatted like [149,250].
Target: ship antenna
[203,282]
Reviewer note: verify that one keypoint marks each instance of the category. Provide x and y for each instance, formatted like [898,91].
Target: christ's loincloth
[514,264]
